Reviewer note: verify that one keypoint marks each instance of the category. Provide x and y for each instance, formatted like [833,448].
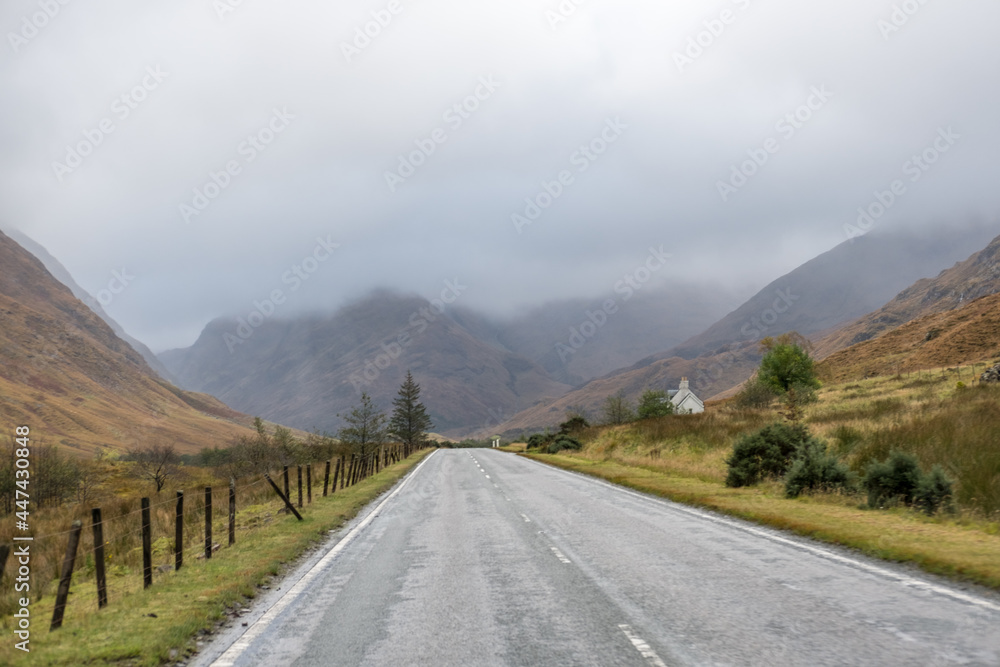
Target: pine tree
[409,423]
[365,429]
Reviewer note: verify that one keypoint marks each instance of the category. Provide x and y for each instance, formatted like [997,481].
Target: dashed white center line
[644,649]
[560,555]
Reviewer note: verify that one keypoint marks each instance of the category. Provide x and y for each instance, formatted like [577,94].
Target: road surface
[484,558]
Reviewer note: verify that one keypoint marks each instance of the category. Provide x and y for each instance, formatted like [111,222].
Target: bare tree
[156,462]
[618,409]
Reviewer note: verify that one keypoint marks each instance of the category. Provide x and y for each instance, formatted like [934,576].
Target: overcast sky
[310,114]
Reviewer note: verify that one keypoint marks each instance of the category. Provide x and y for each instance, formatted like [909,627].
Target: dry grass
[147,627]
[926,414]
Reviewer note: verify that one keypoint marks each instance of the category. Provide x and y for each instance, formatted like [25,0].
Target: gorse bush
[765,454]
[540,440]
[893,480]
[815,469]
[934,491]
[562,442]
[899,479]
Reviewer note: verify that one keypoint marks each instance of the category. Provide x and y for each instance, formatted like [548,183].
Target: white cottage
[684,400]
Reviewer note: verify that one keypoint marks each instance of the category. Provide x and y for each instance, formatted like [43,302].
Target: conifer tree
[365,429]
[409,422]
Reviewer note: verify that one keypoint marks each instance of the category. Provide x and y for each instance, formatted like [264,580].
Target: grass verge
[961,549]
[160,624]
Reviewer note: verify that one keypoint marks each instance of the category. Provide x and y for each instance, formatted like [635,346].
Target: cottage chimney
[684,384]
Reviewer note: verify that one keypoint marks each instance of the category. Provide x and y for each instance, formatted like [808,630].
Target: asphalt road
[485,558]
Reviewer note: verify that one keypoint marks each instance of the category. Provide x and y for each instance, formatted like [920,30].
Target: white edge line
[823,553]
[235,651]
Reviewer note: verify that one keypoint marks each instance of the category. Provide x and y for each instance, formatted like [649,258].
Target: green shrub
[934,491]
[564,442]
[815,469]
[574,424]
[755,395]
[766,453]
[895,479]
[655,403]
[540,440]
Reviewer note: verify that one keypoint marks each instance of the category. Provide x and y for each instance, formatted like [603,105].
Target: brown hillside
[957,337]
[67,376]
[953,288]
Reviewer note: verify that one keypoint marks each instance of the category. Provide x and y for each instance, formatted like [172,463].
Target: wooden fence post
[102,582]
[285,473]
[336,474]
[309,483]
[67,576]
[179,532]
[147,546]
[300,486]
[4,553]
[343,472]
[208,522]
[284,498]
[326,481]
[232,511]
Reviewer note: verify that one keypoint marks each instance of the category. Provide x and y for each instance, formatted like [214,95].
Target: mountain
[818,298]
[835,288]
[977,276]
[305,372]
[554,334]
[67,376]
[958,337]
[60,273]
[948,320]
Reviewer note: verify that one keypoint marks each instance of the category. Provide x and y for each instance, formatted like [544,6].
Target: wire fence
[139,543]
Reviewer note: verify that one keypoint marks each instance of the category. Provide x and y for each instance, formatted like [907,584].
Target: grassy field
[150,627]
[928,415]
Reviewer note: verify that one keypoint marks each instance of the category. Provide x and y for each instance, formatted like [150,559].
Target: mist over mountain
[67,375]
[306,371]
[576,340]
[818,298]
[59,272]
[842,284]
